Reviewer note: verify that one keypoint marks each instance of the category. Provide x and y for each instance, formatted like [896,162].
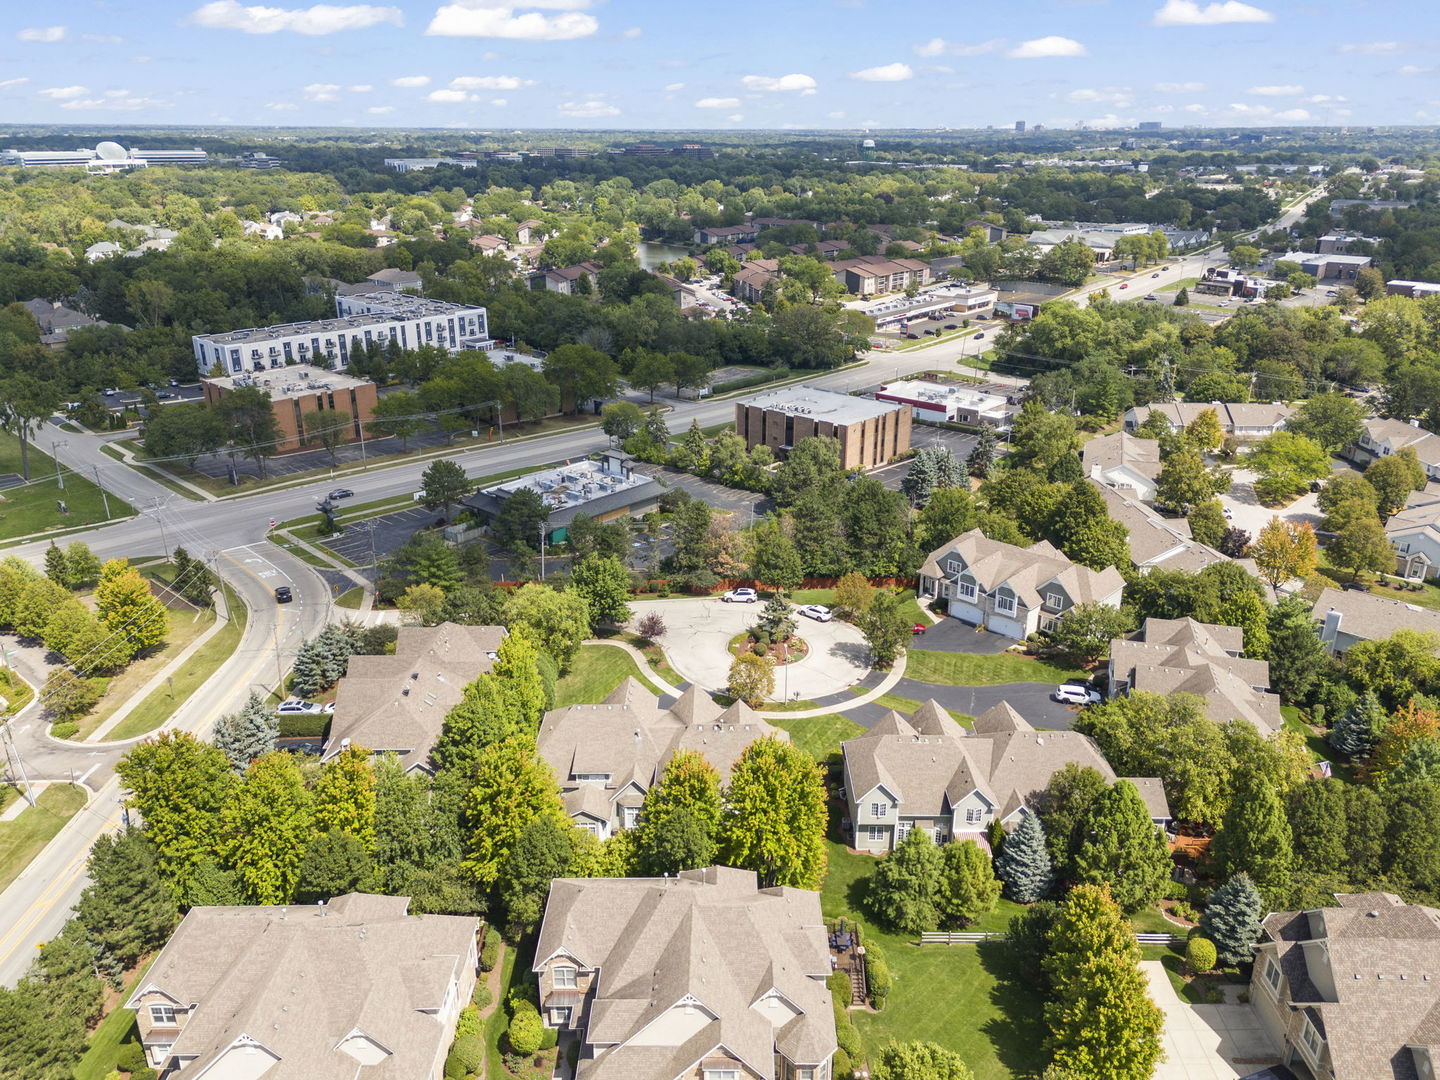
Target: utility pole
[159,509]
[18,764]
[55,456]
[541,527]
[103,495]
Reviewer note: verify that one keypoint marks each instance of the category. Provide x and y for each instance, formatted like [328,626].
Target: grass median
[972,669]
[33,507]
[23,837]
[597,670]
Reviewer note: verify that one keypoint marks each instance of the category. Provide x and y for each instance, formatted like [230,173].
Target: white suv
[740,596]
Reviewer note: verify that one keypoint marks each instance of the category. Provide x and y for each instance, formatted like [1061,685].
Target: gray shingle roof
[1370,618]
[993,563]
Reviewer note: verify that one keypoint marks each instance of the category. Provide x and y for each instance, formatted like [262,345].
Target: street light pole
[55,456]
[542,550]
[104,496]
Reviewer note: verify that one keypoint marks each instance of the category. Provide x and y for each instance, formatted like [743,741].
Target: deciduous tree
[1123,848]
[905,887]
[265,827]
[774,821]
[557,622]
[968,885]
[511,788]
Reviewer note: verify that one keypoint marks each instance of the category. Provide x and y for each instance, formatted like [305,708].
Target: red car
[918,629]
[1125,286]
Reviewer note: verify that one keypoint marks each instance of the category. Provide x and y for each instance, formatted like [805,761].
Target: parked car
[340,493]
[1124,285]
[912,337]
[1071,694]
[174,382]
[165,395]
[1155,275]
[979,336]
[740,596]
[283,594]
[951,326]
[818,612]
[299,707]
[1152,296]
[110,390]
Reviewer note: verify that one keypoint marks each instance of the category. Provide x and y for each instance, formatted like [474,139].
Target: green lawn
[905,706]
[496,1022]
[185,627]
[801,597]
[23,837]
[597,670]
[970,669]
[118,1027]
[15,692]
[351,598]
[1426,597]
[32,508]
[162,702]
[818,736]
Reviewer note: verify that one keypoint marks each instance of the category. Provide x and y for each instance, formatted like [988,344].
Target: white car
[818,612]
[1070,694]
[740,596]
[298,707]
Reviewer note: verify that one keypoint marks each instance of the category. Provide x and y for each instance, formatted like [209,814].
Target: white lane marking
[86,774]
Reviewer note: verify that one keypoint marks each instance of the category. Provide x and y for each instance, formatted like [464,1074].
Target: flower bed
[789,651]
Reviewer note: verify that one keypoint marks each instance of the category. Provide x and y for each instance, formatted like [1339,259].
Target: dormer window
[722,1074]
[162,1015]
[1055,600]
[952,566]
[967,590]
[563,976]
[1005,604]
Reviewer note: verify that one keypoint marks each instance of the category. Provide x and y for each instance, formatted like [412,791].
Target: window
[875,834]
[879,809]
[806,1073]
[952,566]
[1005,605]
[1272,974]
[629,815]
[162,1015]
[1055,600]
[563,977]
[903,830]
[722,1074]
[974,816]
[1311,1039]
[967,591]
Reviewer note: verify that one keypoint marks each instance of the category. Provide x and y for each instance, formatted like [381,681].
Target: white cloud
[141,59]
[490,82]
[803,83]
[1276,91]
[1325,99]
[1119,97]
[1413,69]
[1293,114]
[448,97]
[941,47]
[585,110]
[896,72]
[364,88]
[1163,108]
[381,110]
[14,82]
[64,93]
[281,106]
[1053,45]
[634,32]
[116,101]
[411,80]
[1195,108]
[734,118]
[840,115]
[498,102]
[103,39]
[321,92]
[474,18]
[47,34]
[674,87]
[1190,13]
[320,19]
[1179,87]
[717,103]
[1371,48]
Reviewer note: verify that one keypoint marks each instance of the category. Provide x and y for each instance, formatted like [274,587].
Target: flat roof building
[947,402]
[870,432]
[296,392]
[604,490]
[1327,267]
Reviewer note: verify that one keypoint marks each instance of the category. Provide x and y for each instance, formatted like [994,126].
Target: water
[652,255]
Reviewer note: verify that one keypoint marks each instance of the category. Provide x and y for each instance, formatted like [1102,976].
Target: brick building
[870,432]
[296,391]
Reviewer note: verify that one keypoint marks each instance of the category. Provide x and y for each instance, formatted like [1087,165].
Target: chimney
[1331,627]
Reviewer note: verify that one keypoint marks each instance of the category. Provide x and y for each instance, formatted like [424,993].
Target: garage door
[1009,627]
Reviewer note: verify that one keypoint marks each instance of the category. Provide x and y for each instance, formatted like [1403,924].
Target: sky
[742,64]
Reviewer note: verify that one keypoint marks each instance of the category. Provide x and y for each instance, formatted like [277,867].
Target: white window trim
[876,834]
[158,1017]
[967,591]
[158,1053]
[570,973]
[1006,605]
[1272,967]
[879,809]
[1308,1032]
[1055,600]
[952,566]
[974,815]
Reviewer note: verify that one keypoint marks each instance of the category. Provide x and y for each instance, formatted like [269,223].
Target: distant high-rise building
[1019,125]
[1149,125]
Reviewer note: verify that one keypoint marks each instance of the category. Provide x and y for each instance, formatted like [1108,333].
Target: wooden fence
[944,937]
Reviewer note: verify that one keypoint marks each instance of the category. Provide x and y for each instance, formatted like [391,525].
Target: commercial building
[1327,267]
[106,157]
[606,757]
[1342,243]
[1351,992]
[378,315]
[1416,290]
[350,989]
[927,772]
[870,432]
[194,156]
[603,490]
[417,164]
[297,391]
[396,704]
[947,402]
[703,975]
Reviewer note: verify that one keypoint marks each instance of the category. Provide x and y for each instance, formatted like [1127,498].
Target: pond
[652,254]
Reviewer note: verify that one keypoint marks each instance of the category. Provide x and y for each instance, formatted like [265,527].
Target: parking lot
[957,442]
[719,497]
[386,533]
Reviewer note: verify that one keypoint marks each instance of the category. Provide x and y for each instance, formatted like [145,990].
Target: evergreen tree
[193,579]
[777,618]
[1101,1020]
[335,863]
[126,909]
[982,455]
[1182,298]
[904,887]
[1357,731]
[344,796]
[1023,865]
[57,568]
[1297,658]
[1232,920]
[968,886]
[247,734]
[1122,847]
[264,828]
[932,469]
[605,584]
[1254,837]
[774,821]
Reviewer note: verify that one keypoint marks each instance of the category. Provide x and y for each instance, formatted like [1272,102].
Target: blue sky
[740,64]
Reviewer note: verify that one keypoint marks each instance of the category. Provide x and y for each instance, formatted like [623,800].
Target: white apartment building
[408,320]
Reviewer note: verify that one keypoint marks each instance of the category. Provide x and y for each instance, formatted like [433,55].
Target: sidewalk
[222,616]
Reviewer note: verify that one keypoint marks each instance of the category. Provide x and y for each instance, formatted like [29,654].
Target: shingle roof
[1025,570]
[1369,618]
[710,934]
[1231,416]
[298,981]
[398,703]
[1004,758]
[1369,972]
[1123,449]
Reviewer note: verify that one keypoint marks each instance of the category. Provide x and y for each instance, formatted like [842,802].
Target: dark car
[283,594]
[164,395]
[1275,1072]
[951,326]
[340,493]
[912,337]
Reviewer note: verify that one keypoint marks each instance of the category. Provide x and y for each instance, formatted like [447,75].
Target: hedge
[304,726]
[760,378]
[877,976]
[490,949]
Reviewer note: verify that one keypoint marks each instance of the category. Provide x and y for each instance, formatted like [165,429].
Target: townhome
[397,704]
[341,991]
[1124,461]
[1012,590]
[565,279]
[607,756]
[1382,438]
[927,772]
[1352,992]
[1182,656]
[1252,420]
[727,234]
[750,280]
[1346,617]
[1157,541]
[703,976]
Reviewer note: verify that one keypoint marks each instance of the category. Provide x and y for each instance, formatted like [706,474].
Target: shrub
[549,1038]
[468,1052]
[481,998]
[840,1066]
[469,1022]
[490,950]
[839,984]
[877,976]
[1200,954]
[145,1073]
[1177,890]
[130,1057]
[1184,910]
[303,727]
[847,1037]
[525,1031]
[67,730]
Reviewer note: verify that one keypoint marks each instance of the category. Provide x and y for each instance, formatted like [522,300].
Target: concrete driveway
[698,633]
[1247,513]
[1206,1042]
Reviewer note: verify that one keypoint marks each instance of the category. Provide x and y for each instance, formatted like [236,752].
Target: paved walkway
[1206,1042]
